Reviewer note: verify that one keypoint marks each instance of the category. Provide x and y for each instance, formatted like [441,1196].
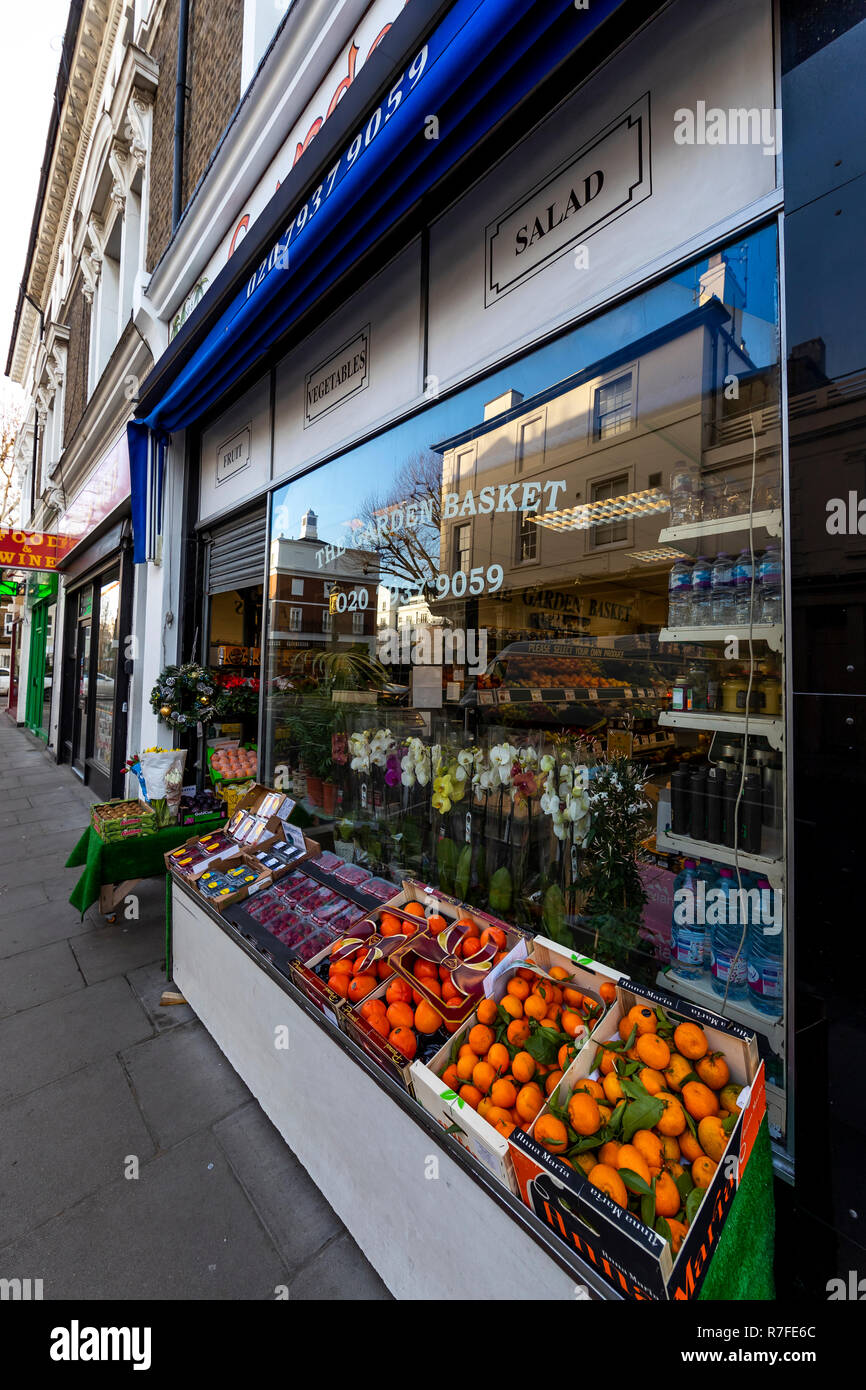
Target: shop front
[42,602]
[498,541]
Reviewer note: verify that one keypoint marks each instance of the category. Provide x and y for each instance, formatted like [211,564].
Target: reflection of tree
[410,554]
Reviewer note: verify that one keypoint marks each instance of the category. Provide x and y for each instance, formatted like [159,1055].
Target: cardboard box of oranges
[636,1155]
[495,1072]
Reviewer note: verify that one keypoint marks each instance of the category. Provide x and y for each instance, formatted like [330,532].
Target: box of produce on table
[232,764]
[118,820]
[635,1157]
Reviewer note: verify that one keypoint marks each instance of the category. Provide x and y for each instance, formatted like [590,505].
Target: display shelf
[769,521]
[737,1010]
[771,869]
[565,695]
[771,633]
[773,730]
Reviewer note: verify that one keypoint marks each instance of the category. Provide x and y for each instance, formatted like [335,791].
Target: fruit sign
[33,550]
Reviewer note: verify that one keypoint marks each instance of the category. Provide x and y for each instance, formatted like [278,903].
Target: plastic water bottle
[721,592]
[702,580]
[687,936]
[765,955]
[725,973]
[680,594]
[741,580]
[685,493]
[708,875]
[768,603]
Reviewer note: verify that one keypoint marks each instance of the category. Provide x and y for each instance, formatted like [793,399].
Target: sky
[29,59]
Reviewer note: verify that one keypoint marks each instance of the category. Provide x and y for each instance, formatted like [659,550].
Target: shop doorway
[93,717]
[80,643]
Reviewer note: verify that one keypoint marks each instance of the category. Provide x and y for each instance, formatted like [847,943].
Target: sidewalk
[96,1079]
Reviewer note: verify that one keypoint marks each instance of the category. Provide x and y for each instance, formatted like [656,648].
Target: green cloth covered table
[139,856]
[742,1266]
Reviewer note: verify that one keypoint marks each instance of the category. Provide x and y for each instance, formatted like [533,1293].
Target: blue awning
[146,472]
[483,58]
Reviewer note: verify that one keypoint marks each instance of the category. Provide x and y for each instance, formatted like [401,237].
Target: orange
[339,984]
[529,1102]
[712,1137]
[566,1055]
[450,1077]
[676,1170]
[433,986]
[651,1080]
[703,1169]
[583,1114]
[504,1093]
[714,1071]
[523,1067]
[650,1147]
[414,909]
[436,924]
[512,1006]
[360,986]
[689,1039]
[608,1180]
[499,1058]
[671,1148]
[484,1108]
[398,992]
[605,1112]
[668,1200]
[487,1011]
[572,996]
[506,1129]
[381,1024]
[690,1149]
[471,1095]
[612,1088]
[405,1041]
[728,1098]
[449,990]
[427,1020]
[481,1039]
[625,1027]
[371,1007]
[551,1133]
[534,1007]
[607,990]
[425,970]
[653,1050]
[519,988]
[495,1114]
[678,1233]
[401,1015]
[585,1161]
[466,1065]
[483,1076]
[517,1031]
[469,946]
[608,1062]
[556,972]
[608,1152]
[384,970]
[495,935]
[389,925]
[643,1018]
[629,1157]
[673,1120]
[592,1088]
[699,1100]
[552,1080]
[678,1069]
[572,1023]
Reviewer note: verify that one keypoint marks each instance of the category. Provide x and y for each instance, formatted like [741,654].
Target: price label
[568,696]
[535,696]
[592,694]
[485,697]
[505,697]
[468,832]
[627,694]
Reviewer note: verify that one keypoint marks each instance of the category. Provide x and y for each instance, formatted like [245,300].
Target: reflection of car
[104,688]
[4,680]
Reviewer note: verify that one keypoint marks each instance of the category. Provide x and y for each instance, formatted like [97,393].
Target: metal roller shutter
[236,554]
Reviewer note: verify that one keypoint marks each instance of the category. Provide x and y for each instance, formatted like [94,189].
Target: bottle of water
[722,607]
[680,594]
[741,580]
[687,934]
[702,579]
[685,493]
[765,955]
[768,600]
[708,875]
[727,971]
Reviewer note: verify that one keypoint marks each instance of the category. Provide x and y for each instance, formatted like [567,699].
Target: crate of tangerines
[409,974]
[496,1071]
[635,1156]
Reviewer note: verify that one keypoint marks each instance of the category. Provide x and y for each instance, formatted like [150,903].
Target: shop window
[296,619]
[613,406]
[533,636]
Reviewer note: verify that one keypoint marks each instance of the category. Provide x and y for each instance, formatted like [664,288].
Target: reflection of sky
[336,493]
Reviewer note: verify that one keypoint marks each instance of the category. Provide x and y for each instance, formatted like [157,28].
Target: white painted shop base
[428,1237]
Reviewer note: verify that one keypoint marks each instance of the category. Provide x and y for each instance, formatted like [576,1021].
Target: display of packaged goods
[347,917]
[232,764]
[328,862]
[379,888]
[119,820]
[213,884]
[352,874]
[656,1118]
[297,887]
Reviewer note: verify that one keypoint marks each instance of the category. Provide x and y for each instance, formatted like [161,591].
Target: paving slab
[32,977]
[64,1141]
[114,949]
[183,1082]
[341,1273]
[54,1039]
[299,1219]
[148,983]
[27,928]
[13,899]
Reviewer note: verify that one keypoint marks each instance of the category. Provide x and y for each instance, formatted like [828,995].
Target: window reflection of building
[315,603]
